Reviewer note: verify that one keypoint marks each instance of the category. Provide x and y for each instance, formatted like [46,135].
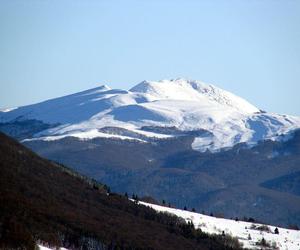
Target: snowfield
[246,232]
[180,103]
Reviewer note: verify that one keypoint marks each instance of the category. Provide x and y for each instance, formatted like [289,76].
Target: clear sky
[52,48]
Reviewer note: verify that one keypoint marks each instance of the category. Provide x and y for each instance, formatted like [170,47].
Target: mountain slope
[231,182]
[42,200]
[249,233]
[181,104]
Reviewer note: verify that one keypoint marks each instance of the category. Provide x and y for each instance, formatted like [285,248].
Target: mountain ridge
[187,105]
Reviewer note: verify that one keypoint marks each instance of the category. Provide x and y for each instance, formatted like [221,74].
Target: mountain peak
[192,90]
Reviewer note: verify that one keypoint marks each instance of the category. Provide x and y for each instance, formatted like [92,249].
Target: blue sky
[53,48]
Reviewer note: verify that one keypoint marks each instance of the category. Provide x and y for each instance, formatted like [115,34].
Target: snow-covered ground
[246,233]
[183,104]
[47,248]
[43,248]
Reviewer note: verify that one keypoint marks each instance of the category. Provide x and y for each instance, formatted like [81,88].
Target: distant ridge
[186,105]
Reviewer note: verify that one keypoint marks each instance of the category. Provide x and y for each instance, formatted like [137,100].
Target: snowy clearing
[247,233]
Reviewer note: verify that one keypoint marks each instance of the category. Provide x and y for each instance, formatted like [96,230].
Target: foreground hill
[44,201]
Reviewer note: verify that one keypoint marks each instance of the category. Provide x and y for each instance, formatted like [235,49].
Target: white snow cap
[192,90]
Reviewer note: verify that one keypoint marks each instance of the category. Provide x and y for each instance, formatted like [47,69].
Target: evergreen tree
[263,242]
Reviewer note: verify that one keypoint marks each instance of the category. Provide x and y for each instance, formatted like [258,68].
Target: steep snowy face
[182,89]
[182,104]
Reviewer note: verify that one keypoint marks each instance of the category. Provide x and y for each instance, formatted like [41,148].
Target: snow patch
[40,247]
[86,135]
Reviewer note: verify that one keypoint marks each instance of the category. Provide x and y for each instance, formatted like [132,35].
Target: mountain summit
[189,90]
[219,118]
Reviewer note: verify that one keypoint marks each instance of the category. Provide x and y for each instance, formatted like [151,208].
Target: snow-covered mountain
[181,105]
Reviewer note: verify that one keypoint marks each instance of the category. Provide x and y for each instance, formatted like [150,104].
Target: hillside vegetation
[44,201]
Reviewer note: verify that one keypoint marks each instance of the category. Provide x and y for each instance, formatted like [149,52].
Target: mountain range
[220,118]
[190,143]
